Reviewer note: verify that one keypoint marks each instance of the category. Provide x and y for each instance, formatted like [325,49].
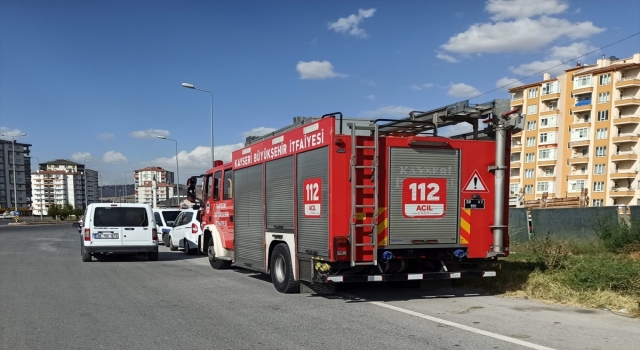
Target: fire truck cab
[330,200]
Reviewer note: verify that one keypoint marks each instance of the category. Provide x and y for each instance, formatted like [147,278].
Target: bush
[605,272]
[618,237]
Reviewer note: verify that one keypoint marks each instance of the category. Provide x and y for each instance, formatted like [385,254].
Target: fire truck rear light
[432,241]
[339,142]
[87,234]
[417,241]
[341,246]
[194,228]
[154,234]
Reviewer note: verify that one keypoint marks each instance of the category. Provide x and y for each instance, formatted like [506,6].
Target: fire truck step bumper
[408,277]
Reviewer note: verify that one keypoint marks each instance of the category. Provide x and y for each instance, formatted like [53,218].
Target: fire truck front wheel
[282,270]
[217,264]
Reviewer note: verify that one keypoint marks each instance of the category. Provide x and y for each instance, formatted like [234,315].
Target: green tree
[66,210]
[78,212]
[53,211]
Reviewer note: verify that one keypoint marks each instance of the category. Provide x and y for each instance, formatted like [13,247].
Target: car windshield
[170,216]
[120,217]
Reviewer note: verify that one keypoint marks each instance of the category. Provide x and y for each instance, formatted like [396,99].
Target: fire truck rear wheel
[282,270]
[217,264]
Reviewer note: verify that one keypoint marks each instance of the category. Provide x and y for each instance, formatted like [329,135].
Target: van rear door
[105,226]
[136,226]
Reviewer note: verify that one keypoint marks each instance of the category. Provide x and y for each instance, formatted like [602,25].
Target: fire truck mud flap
[406,277]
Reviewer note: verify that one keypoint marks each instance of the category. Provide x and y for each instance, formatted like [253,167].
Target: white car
[165,219]
[186,232]
[119,229]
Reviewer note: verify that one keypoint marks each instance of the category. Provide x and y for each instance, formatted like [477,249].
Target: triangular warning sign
[475,184]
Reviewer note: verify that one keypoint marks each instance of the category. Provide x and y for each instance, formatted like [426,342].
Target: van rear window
[120,217]
[170,216]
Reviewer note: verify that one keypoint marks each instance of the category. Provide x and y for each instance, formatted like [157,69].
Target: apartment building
[22,175]
[62,182]
[581,131]
[143,179]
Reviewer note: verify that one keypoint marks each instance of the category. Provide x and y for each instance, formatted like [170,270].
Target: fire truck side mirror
[191,189]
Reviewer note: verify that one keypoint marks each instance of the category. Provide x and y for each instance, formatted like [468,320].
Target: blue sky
[102,78]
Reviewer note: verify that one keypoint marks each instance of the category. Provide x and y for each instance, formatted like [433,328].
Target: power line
[558,65]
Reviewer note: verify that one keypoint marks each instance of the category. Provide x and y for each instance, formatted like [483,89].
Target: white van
[125,228]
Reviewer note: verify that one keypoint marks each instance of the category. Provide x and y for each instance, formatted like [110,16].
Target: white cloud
[317,70]
[507,9]
[196,161]
[463,90]
[397,111]
[114,157]
[8,133]
[260,131]
[80,156]
[351,24]
[447,58]
[553,62]
[422,86]
[522,34]
[371,97]
[508,83]
[149,133]
[456,129]
[106,136]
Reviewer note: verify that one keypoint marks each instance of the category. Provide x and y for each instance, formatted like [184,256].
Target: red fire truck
[330,200]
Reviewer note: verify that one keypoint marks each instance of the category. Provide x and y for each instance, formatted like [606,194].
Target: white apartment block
[62,182]
[143,179]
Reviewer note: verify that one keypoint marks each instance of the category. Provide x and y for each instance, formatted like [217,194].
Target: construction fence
[566,223]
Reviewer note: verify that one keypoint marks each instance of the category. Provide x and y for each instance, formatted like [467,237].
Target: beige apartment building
[165,184]
[581,131]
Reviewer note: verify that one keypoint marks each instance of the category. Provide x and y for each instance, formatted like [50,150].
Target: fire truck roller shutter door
[313,232]
[279,195]
[249,216]
[428,170]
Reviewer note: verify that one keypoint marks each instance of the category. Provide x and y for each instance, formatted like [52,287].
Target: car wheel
[282,270]
[172,247]
[215,263]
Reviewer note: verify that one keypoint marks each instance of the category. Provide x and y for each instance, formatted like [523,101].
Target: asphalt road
[50,299]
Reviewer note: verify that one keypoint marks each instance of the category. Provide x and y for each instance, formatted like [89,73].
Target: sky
[102,79]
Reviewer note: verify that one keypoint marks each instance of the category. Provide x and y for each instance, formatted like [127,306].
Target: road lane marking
[461,326]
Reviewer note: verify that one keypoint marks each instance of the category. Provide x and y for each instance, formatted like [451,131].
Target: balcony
[550,96]
[579,143]
[583,90]
[547,162]
[582,106]
[577,175]
[628,81]
[623,174]
[627,101]
[515,164]
[545,176]
[625,137]
[627,119]
[622,192]
[624,155]
[578,159]
[548,112]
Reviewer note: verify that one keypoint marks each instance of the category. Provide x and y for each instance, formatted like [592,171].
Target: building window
[605,79]
[547,138]
[598,202]
[582,82]
[528,189]
[531,141]
[598,169]
[598,186]
[547,154]
[514,188]
[543,186]
[603,97]
[528,173]
[529,157]
[579,134]
[601,134]
[531,125]
[549,171]
[533,109]
[550,88]
[576,185]
[601,151]
[603,115]
[533,92]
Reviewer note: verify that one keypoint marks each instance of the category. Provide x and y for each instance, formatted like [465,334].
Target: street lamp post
[190,86]
[177,169]
[125,187]
[40,195]
[13,156]
[84,161]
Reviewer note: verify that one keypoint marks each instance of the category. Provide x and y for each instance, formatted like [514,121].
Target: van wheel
[217,264]
[282,270]
[86,257]
[152,256]
[171,246]
[165,240]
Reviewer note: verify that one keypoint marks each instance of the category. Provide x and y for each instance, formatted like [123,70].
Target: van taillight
[341,248]
[154,234]
[87,234]
[194,228]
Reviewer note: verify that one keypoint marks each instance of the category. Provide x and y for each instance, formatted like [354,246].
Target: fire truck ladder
[356,164]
